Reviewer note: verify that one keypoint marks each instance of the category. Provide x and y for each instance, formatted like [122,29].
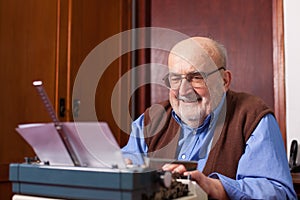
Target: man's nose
[185,87]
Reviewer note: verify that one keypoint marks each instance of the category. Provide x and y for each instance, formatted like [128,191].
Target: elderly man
[233,136]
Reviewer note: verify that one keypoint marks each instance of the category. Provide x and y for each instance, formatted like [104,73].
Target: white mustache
[189,99]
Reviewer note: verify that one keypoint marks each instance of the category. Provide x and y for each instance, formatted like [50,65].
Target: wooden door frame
[279,66]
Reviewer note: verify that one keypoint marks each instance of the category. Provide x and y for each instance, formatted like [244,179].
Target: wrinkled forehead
[190,55]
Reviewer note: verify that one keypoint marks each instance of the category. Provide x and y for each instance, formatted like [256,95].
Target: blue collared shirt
[263,171]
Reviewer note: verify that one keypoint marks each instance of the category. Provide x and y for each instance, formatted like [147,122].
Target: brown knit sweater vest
[242,114]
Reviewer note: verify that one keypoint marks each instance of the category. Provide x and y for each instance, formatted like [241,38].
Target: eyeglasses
[197,79]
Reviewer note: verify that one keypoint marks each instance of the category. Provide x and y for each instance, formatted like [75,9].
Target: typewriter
[82,160]
[32,180]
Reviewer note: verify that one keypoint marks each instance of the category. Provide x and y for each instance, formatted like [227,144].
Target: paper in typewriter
[93,143]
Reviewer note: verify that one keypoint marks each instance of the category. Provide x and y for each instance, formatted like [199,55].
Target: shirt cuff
[231,186]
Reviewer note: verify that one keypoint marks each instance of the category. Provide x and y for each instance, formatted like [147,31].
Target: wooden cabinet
[48,40]
[27,52]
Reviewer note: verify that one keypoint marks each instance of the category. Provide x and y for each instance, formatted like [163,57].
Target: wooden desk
[296,182]
[4,171]
[5,185]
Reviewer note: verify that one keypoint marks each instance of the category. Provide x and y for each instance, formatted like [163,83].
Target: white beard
[193,114]
[193,108]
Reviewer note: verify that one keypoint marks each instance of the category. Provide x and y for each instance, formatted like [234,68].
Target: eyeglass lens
[174,80]
[197,79]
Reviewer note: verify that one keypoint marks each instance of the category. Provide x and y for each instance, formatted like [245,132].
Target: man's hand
[128,161]
[213,187]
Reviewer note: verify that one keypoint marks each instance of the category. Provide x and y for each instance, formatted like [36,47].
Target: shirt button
[183,156]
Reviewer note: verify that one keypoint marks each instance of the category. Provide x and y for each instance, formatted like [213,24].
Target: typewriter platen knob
[166,178]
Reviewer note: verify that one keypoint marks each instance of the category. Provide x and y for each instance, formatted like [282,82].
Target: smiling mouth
[189,100]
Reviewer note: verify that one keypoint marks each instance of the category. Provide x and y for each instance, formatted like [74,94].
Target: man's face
[193,101]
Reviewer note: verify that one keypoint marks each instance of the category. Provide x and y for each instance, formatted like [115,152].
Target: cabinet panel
[93,22]
[244,27]
[27,53]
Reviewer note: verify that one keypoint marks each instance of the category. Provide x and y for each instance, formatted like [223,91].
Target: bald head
[200,51]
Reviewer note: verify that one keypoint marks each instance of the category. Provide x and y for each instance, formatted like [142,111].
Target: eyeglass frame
[204,76]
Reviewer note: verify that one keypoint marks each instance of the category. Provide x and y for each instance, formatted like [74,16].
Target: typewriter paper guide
[93,142]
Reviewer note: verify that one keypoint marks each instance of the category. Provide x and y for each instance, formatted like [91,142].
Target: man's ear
[227,79]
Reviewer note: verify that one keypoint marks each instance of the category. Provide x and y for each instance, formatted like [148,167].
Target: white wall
[292,63]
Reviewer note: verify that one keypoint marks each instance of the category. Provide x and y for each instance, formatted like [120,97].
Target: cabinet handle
[62,107]
[76,106]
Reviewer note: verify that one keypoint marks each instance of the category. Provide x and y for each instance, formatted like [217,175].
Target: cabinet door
[48,40]
[28,35]
[93,24]
[244,27]
[251,31]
